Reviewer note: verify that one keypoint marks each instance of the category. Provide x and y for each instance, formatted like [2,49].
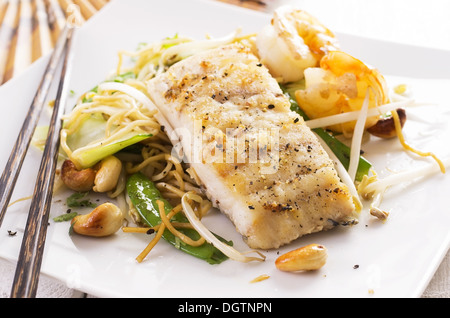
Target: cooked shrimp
[293,42]
[339,85]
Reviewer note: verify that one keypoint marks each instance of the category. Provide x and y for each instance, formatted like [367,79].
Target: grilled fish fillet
[257,160]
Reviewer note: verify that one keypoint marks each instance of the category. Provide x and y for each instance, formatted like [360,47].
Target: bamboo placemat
[29,28]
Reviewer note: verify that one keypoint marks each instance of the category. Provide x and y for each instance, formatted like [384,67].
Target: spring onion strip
[349,116]
[211,238]
[343,174]
[358,132]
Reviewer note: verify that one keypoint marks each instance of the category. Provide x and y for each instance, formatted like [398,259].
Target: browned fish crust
[274,190]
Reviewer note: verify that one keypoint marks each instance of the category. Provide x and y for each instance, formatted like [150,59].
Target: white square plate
[395,259]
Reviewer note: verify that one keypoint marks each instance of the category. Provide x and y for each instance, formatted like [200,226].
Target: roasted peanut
[107,174]
[306,258]
[104,220]
[77,180]
[385,128]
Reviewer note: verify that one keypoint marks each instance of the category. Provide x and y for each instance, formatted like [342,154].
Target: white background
[416,22]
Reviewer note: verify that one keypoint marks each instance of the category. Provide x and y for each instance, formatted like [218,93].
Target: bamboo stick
[56,18]
[7,35]
[22,55]
[3,6]
[8,39]
[98,4]
[68,7]
[31,253]
[41,35]
[29,29]
[86,8]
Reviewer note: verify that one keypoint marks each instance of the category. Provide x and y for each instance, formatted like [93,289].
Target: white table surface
[422,23]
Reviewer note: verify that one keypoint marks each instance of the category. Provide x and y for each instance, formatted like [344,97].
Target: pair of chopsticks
[30,257]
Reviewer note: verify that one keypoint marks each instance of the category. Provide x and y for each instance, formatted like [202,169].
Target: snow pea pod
[144,196]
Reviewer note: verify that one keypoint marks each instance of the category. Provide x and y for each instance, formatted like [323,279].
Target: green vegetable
[292,87]
[341,150]
[144,194]
[166,46]
[78,200]
[89,100]
[121,78]
[65,217]
[93,128]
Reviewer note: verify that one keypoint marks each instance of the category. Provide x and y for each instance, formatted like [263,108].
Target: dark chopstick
[30,257]
[17,156]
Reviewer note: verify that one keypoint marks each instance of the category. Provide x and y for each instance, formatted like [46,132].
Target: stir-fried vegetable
[89,136]
[85,153]
[144,196]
